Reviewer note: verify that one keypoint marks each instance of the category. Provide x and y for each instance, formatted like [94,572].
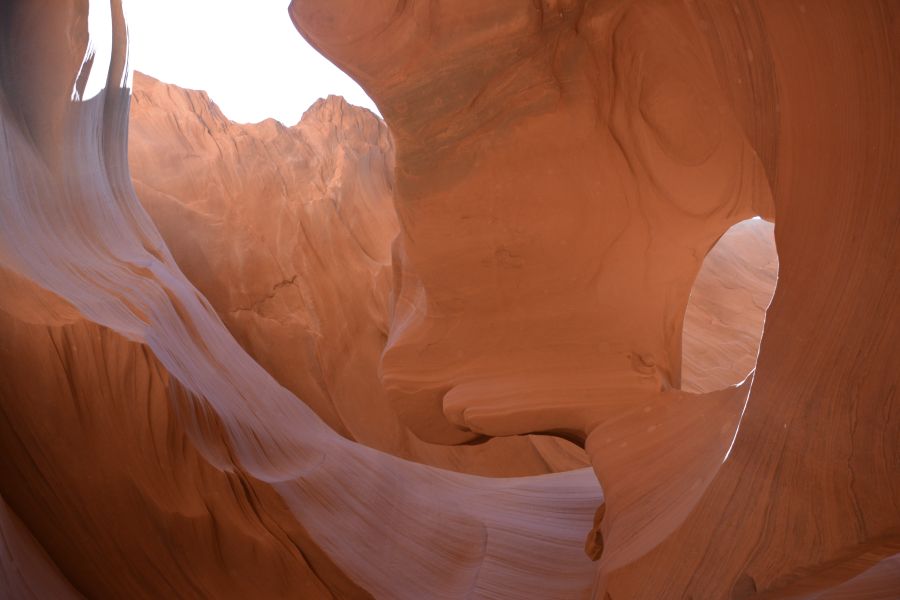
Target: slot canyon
[604,304]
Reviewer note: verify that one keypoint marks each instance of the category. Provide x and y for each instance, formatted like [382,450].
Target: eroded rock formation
[562,170]
[287,232]
[724,319]
[80,253]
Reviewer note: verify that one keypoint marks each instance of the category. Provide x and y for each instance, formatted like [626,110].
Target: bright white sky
[245,53]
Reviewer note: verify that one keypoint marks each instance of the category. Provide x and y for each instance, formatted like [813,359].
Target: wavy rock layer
[86,264]
[92,418]
[724,320]
[287,232]
[562,168]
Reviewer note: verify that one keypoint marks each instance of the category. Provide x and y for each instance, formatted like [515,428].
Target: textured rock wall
[725,315]
[587,155]
[562,170]
[113,488]
[288,232]
[79,253]
[25,569]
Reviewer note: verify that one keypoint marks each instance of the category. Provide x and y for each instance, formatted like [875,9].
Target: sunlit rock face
[147,452]
[103,473]
[562,170]
[725,315]
[185,379]
[287,231]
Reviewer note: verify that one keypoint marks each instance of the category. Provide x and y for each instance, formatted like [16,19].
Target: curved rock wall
[724,320]
[562,169]
[288,232]
[73,226]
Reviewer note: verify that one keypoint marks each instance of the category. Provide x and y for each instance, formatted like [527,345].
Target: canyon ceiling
[518,339]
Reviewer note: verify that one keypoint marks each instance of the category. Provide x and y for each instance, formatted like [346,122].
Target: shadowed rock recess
[516,340]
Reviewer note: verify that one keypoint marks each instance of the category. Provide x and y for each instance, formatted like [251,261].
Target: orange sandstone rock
[132,330]
[287,231]
[561,173]
[562,168]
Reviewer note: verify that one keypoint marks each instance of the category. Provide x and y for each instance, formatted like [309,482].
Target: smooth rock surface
[566,177]
[726,313]
[89,267]
[287,231]
[562,168]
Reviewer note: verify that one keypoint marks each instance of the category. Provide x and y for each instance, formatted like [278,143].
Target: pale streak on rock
[73,225]
[517,309]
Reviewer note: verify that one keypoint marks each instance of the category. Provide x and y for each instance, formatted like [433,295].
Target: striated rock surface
[562,168]
[110,483]
[330,516]
[287,231]
[725,315]
[25,569]
[572,181]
